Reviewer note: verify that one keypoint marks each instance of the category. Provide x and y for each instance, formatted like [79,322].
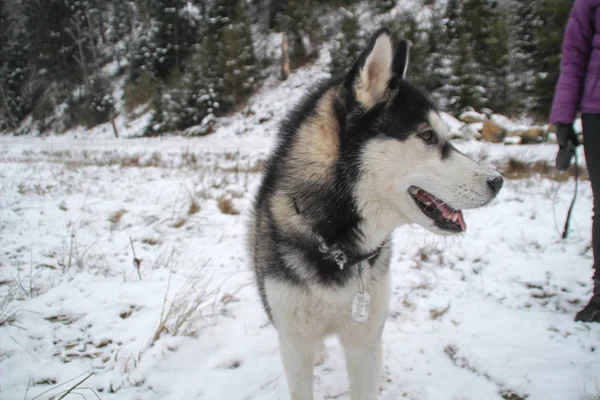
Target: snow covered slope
[488,315]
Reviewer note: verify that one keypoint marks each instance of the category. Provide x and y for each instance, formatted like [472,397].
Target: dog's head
[405,163]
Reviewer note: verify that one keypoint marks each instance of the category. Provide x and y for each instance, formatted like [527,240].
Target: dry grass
[226,206]
[178,317]
[194,206]
[509,395]
[517,169]
[438,313]
[130,161]
[138,160]
[150,241]
[8,312]
[123,160]
[249,168]
[74,253]
[62,391]
[115,217]
[179,223]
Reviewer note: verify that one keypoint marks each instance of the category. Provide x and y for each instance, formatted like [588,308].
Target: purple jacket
[578,87]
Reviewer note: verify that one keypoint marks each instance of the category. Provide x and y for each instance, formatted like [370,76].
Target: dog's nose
[496,183]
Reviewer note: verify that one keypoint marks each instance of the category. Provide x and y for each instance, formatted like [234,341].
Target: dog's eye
[428,136]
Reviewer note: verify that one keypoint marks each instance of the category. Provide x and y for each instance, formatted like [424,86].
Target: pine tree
[526,21]
[16,98]
[466,81]
[478,16]
[157,125]
[277,10]
[461,86]
[240,68]
[455,24]
[172,32]
[122,21]
[437,64]
[346,46]
[477,44]
[298,22]
[172,38]
[219,76]
[385,5]
[497,61]
[406,27]
[55,34]
[548,38]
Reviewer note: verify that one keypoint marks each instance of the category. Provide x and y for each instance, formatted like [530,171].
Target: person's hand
[567,141]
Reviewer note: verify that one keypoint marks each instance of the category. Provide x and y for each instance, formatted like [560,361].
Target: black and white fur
[347,170]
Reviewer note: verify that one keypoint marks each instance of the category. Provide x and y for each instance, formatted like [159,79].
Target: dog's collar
[336,252]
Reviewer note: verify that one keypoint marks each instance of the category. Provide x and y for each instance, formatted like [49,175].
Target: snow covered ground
[488,315]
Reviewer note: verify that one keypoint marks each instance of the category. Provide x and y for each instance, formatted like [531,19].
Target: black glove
[567,141]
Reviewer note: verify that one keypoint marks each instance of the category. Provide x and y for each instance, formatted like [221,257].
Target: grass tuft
[179,223]
[116,216]
[194,206]
[226,206]
[8,313]
[438,313]
[179,316]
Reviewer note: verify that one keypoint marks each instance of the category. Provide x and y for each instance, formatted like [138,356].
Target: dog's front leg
[298,358]
[363,361]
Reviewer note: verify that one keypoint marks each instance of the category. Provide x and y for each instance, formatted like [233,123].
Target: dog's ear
[400,63]
[371,73]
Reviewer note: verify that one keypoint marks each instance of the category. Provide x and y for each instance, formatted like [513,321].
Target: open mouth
[445,217]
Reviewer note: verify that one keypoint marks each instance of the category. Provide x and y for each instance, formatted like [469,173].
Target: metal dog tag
[361,305]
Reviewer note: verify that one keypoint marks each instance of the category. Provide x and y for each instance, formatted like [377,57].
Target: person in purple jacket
[578,89]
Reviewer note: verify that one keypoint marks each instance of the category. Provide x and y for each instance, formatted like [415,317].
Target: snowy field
[487,315]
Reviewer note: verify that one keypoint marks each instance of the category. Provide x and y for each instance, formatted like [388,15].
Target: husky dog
[360,156]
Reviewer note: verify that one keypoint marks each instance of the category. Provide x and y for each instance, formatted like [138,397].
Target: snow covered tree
[298,21]
[220,75]
[479,17]
[91,105]
[15,91]
[548,40]
[466,89]
[461,86]
[385,5]
[525,22]
[54,34]
[455,23]
[438,65]
[122,20]
[347,45]
[174,34]
[497,61]
[477,47]
[241,73]
[406,27]
[164,49]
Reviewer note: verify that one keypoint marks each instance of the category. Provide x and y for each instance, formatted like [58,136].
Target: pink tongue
[446,212]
